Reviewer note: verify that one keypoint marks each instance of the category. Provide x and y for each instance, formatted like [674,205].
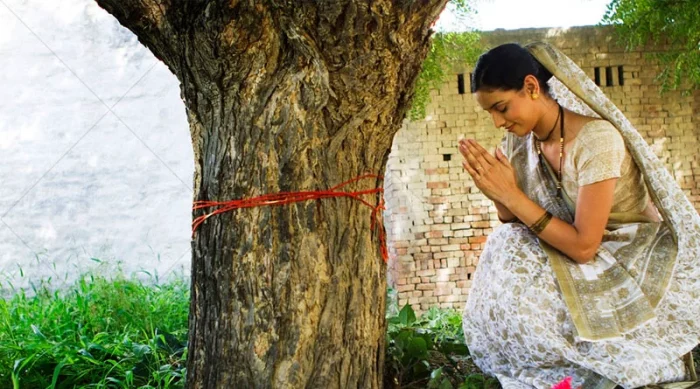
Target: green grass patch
[100,333]
[129,333]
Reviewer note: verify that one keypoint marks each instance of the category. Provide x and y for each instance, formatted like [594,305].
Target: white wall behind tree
[95,153]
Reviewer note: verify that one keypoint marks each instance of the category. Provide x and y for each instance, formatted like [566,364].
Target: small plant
[429,352]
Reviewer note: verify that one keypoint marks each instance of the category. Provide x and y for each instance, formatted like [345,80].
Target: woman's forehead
[487,99]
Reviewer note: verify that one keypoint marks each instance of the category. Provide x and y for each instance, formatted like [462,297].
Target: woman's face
[513,110]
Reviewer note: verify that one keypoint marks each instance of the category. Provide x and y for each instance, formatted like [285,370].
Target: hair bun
[505,67]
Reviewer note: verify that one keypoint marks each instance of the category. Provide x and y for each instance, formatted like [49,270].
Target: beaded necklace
[561,146]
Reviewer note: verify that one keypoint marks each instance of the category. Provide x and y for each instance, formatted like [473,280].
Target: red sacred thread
[295,197]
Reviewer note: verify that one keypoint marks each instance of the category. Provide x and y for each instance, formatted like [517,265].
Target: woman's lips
[510,128]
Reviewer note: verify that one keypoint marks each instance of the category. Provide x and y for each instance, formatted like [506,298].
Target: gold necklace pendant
[561,149]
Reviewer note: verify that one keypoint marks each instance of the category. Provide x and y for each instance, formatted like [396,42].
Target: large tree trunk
[287,96]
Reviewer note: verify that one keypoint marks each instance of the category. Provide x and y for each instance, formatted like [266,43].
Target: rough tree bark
[287,95]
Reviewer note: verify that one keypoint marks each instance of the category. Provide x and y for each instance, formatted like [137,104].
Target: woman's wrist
[505,221]
[511,202]
[503,213]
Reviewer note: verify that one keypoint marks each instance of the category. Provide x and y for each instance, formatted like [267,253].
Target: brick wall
[436,219]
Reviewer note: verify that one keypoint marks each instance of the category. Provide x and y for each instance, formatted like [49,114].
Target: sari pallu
[628,316]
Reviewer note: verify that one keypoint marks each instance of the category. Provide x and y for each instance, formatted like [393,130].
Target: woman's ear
[532,86]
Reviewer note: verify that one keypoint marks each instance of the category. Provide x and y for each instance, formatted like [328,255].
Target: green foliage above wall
[448,50]
[675,23]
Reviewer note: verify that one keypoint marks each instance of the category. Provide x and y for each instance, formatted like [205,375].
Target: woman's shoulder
[598,152]
[599,132]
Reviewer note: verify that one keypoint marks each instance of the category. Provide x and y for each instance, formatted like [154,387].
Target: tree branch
[154,22]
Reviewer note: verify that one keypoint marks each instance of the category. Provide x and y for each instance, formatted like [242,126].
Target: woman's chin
[517,131]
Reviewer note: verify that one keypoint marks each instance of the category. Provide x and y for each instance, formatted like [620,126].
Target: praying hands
[492,174]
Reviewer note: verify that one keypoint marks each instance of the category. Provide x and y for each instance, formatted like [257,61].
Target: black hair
[505,67]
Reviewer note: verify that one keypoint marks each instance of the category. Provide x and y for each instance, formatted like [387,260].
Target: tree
[673,22]
[285,96]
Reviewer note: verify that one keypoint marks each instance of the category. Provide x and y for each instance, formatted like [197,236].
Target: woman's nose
[498,120]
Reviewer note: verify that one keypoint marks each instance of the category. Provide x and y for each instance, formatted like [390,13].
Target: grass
[123,332]
[100,333]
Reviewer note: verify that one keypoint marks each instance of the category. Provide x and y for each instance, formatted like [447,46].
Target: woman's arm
[504,214]
[581,240]
[495,177]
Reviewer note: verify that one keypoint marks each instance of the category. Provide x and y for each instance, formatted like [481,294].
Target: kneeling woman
[584,278]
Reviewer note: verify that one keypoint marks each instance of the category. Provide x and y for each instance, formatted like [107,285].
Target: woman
[583,279]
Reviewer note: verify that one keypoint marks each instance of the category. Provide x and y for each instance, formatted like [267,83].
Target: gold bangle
[533,225]
[539,226]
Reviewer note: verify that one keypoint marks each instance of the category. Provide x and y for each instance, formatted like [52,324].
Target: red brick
[477,239]
[433,234]
[437,185]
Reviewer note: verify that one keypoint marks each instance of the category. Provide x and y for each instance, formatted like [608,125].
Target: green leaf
[473,381]
[453,348]
[404,339]
[417,348]
[446,384]
[421,369]
[436,374]
[37,332]
[56,373]
[17,369]
[436,379]
[407,316]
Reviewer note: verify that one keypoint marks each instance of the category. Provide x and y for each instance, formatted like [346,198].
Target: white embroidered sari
[534,316]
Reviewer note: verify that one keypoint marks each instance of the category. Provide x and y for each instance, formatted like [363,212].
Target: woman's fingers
[464,149]
[484,157]
[502,158]
[472,171]
[499,155]
[478,159]
[469,156]
[477,155]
